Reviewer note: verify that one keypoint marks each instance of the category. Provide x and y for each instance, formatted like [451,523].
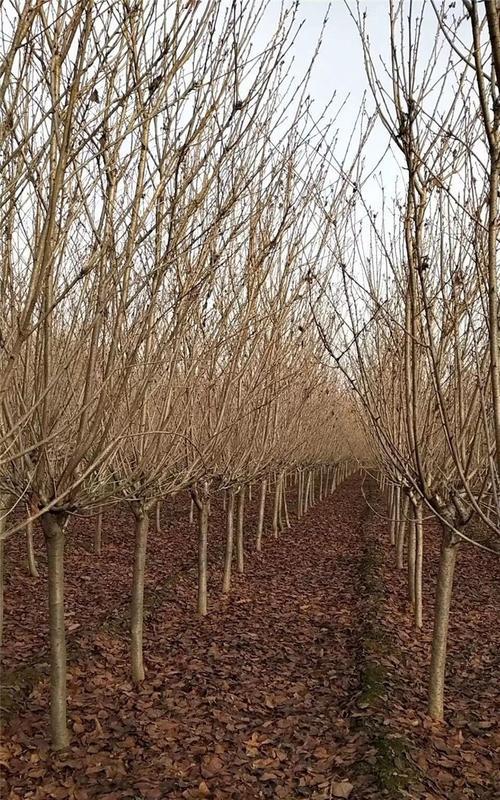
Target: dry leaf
[341,788]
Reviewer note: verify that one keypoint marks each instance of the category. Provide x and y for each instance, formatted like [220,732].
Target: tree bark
[402,532]
[285,504]
[202,504]
[52,525]
[137,606]
[158,516]
[260,521]
[276,507]
[281,480]
[411,558]
[300,482]
[226,584]
[239,540]
[306,493]
[391,508]
[30,550]
[395,513]
[441,619]
[419,561]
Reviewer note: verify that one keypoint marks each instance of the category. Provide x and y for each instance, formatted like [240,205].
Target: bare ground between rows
[266,696]
[258,685]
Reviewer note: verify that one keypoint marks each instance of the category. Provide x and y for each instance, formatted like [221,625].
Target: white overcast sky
[340,67]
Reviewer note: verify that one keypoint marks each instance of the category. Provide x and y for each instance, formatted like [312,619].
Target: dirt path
[289,688]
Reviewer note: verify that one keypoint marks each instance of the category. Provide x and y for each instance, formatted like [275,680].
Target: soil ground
[307,682]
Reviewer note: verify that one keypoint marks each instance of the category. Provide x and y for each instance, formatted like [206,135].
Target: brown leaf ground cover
[308,681]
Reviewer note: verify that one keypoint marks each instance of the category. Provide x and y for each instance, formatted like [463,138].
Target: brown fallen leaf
[211,766]
[341,788]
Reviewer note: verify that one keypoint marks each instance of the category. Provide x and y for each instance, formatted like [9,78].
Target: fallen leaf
[341,788]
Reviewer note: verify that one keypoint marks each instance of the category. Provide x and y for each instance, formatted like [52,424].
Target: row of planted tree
[419,341]
[158,241]
[196,293]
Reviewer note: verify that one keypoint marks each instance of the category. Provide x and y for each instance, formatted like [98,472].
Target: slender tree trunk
[239,541]
[402,532]
[30,550]
[411,557]
[202,555]
[419,561]
[285,505]
[391,508]
[249,492]
[395,514]
[299,495]
[307,492]
[228,559]
[98,534]
[281,480]
[262,508]
[191,512]
[158,516]
[441,620]
[137,606]
[276,507]
[53,529]
[320,484]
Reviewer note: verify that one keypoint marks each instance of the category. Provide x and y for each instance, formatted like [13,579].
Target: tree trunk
[411,558]
[441,619]
[202,555]
[402,532]
[276,507]
[137,607]
[419,561]
[306,493]
[158,516]
[281,480]
[395,514]
[98,534]
[320,484]
[52,525]
[30,550]
[285,504]
[391,508]
[239,540]
[260,521]
[299,494]
[191,512]
[226,584]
